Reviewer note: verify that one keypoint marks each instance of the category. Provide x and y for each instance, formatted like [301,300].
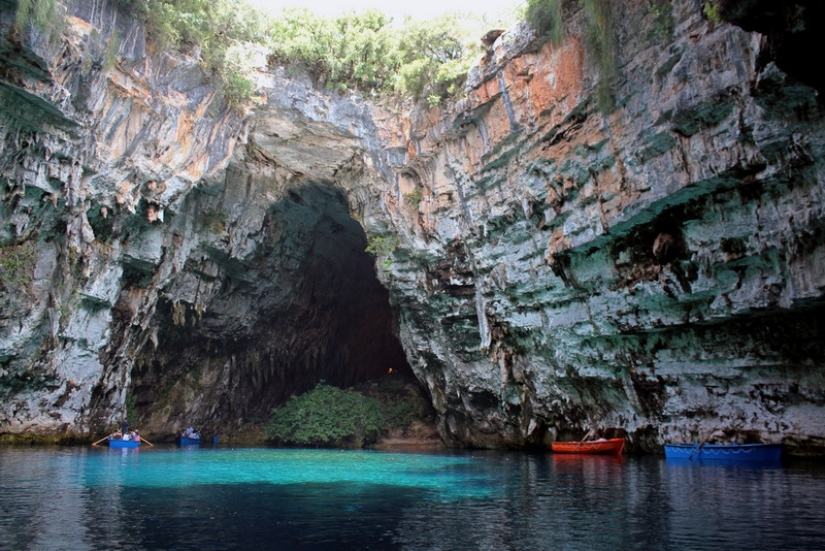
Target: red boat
[614,446]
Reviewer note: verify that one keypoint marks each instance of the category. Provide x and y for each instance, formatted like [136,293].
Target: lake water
[261,499]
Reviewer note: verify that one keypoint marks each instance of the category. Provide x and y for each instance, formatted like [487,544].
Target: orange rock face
[587,260]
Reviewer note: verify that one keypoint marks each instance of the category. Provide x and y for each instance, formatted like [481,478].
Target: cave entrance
[305,307]
[343,309]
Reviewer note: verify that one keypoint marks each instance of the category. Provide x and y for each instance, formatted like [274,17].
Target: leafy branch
[414,198]
[383,246]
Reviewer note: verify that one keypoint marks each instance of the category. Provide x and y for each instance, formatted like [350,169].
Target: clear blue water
[262,499]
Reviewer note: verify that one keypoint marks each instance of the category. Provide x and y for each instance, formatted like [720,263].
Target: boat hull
[183,441]
[724,452]
[614,446]
[124,444]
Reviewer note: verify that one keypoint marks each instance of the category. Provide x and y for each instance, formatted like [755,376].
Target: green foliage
[662,12]
[399,412]
[414,198]
[217,27]
[131,408]
[713,11]
[17,266]
[101,53]
[383,246]
[237,89]
[601,43]
[364,51]
[110,52]
[208,24]
[326,416]
[356,50]
[436,56]
[545,17]
[214,220]
[46,16]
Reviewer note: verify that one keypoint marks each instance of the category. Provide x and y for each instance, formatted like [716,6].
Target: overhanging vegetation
[365,51]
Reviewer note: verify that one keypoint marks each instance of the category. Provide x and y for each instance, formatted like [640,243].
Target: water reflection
[736,505]
[266,499]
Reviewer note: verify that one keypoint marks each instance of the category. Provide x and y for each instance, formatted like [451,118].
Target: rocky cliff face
[654,267]
[651,262]
[165,257]
[94,160]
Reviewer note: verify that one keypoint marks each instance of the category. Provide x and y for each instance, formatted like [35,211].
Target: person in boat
[136,436]
[126,436]
[191,433]
[124,427]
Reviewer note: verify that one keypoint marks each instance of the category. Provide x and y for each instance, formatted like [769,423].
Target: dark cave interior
[306,308]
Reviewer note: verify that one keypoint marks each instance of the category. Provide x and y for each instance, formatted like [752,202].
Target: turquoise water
[151,499]
[445,477]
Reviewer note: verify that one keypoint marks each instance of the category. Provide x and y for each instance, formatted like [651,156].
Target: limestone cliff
[151,268]
[571,245]
[655,266]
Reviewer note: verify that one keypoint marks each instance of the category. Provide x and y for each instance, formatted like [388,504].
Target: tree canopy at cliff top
[367,50]
[422,9]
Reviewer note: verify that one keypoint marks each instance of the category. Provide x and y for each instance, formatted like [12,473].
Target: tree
[327,416]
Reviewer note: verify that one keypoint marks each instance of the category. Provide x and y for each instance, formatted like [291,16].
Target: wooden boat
[184,441]
[729,452]
[114,440]
[118,443]
[613,446]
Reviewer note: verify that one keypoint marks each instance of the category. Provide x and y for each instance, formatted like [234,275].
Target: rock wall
[94,159]
[165,257]
[576,243]
[655,266]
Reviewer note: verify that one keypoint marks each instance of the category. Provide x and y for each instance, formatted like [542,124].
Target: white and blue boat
[727,452]
[183,441]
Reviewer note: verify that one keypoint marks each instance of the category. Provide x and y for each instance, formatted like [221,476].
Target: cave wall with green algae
[655,267]
[84,150]
[157,268]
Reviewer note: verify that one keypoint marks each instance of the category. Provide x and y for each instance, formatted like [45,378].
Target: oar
[142,439]
[699,447]
[101,440]
[583,439]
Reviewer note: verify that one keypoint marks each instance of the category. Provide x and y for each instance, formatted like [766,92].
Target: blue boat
[727,452]
[118,443]
[184,441]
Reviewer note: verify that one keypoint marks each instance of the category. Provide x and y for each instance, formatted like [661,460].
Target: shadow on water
[259,516]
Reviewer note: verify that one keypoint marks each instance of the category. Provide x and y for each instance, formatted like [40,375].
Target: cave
[305,307]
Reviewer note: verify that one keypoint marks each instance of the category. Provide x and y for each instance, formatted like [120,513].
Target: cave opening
[306,307]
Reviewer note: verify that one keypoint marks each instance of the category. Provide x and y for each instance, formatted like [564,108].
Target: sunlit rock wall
[557,259]
[655,266]
[153,269]
[94,158]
